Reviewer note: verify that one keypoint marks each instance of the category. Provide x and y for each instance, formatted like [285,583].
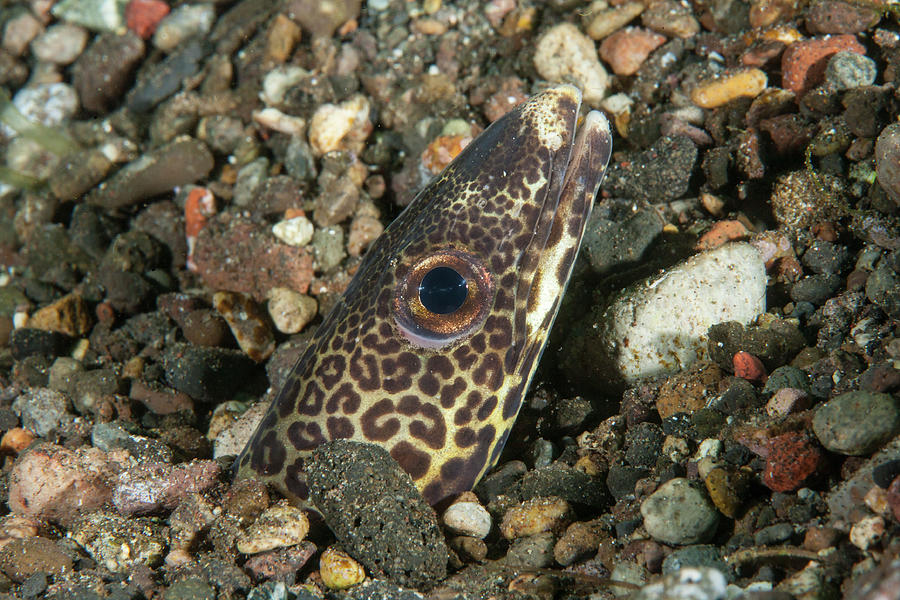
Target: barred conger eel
[430,350]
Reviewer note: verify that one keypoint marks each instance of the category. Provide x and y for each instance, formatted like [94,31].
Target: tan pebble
[15,527]
[15,440]
[468,518]
[428,26]
[340,127]
[670,18]
[363,231]
[786,401]
[713,204]
[564,54]
[725,87]
[178,557]
[607,21]
[283,35]
[339,571]
[133,368]
[725,490]
[675,448]
[69,315]
[535,516]
[280,526]
[247,322]
[580,540]
[627,49]
[877,501]
[589,464]
[468,548]
[290,310]
[866,532]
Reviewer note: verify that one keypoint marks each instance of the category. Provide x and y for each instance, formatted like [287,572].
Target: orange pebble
[15,440]
[721,232]
[747,366]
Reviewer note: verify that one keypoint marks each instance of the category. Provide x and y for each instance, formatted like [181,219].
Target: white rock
[468,518]
[290,310]
[294,232]
[678,513]
[61,44]
[279,80]
[866,532]
[232,440]
[564,54]
[660,325]
[343,126]
[688,583]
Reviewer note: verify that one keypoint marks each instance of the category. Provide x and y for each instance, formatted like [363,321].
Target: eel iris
[431,348]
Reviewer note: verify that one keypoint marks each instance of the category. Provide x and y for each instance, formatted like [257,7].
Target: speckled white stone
[660,325]
[468,518]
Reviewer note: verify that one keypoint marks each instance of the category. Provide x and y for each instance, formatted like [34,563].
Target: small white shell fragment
[294,232]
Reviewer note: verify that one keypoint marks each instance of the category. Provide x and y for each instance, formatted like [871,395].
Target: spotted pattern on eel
[439,386]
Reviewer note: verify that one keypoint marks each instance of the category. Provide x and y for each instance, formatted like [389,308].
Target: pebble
[344,126]
[801,199]
[103,72]
[665,320]
[608,20]
[297,231]
[150,487]
[697,556]
[96,16]
[15,440]
[70,315]
[118,543]
[43,410]
[143,16]
[730,85]
[678,513]
[787,377]
[163,79]
[241,255]
[323,18]
[749,367]
[580,540]
[232,439]
[803,63]
[338,569]
[19,31]
[178,163]
[56,484]
[280,564]
[779,533]
[883,288]
[535,516]
[467,518]
[867,531]
[364,229]
[827,258]
[792,458]
[248,323]
[376,512]
[532,552]
[565,55]
[627,49]
[211,374]
[290,311]
[60,44]
[857,423]
[659,174]
[787,401]
[22,558]
[185,22]
[49,104]
[328,248]
[727,489]
[278,526]
[835,16]
[671,19]
[205,327]
[689,583]
[848,70]
[887,161]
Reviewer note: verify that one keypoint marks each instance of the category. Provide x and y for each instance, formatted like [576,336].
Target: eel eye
[442,298]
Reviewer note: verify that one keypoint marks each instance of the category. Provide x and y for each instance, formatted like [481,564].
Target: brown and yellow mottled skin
[440,390]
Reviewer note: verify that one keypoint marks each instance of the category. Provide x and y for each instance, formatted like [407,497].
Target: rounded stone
[563,53]
[857,423]
[847,70]
[678,513]
[468,518]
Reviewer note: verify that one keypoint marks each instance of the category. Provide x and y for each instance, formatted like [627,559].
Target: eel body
[431,348]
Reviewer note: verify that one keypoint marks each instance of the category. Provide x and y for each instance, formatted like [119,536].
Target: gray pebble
[679,513]
[532,552]
[42,410]
[376,512]
[700,555]
[328,248]
[883,288]
[815,289]
[847,70]
[786,377]
[857,423]
[774,534]
[826,257]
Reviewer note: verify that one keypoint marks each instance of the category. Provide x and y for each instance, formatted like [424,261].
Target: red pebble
[747,366]
[792,458]
[803,63]
[142,16]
